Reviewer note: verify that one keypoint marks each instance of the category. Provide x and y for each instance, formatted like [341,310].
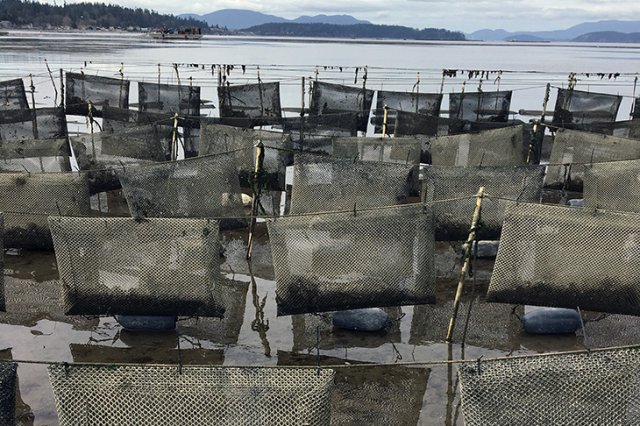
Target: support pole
[302,113]
[256,194]
[466,258]
[385,117]
[633,101]
[61,87]
[33,103]
[55,89]
[174,138]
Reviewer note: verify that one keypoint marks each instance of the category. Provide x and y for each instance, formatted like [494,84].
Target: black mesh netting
[410,123]
[572,149]
[41,123]
[12,95]
[260,103]
[8,382]
[82,89]
[480,106]
[218,139]
[329,98]
[195,187]
[351,260]
[151,267]
[191,395]
[625,129]
[337,124]
[27,198]
[636,109]
[418,103]
[399,150]
[575,107]
[41,155]
[613,186]
[452,190]
[567,257]
[328,184]
[495,147]
[2,297]
[591,388]
[141,353]
[169,98]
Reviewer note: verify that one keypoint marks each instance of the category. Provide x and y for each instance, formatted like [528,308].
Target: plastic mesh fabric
[155,395]
[625,129]
[496,147]
[567,257]
[400,150]
[12,95]
[218,139]
[480,106]
[151,267]
[419,103]
[453,218]
[329,98]
[409,123]
[26,200]
[572,146]
[340,261]
[169,98]
[597,388]
[100,91]
[337,124]
[41,123]
[196,187]
[636,109]
[613,186]
[8,379]
[43,155]
[2,296]
[326,184]
[575,107]
[259,102]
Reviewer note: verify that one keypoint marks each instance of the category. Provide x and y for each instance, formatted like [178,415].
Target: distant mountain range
[600,31]
[237,19]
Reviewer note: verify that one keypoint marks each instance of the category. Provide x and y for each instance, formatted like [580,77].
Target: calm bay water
[36,329]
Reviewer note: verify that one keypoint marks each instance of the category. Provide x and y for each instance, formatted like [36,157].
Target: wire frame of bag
[613,186]
[41,123]
[12,95]
[35,155]
[28,198]
[567,258]
[460,184]
[480,106]
[419,103]
[259,102]
[350,260]
[399,150]
[82,89]
[594,388]
[576,148]
[322,184]
[156,266]
[8,382]
[195,187]
[191,395]
[576,107]
[496,147]
[169,98]
[219,138]
[329,98]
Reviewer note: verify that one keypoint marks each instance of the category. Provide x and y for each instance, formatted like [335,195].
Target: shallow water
[36,329]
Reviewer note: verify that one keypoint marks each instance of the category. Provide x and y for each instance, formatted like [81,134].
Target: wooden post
[159,73]
[536,127]
[633,101]
[466,258]
[55,89]
[385,117]
[33,102]
[174,138]
[256,194]
[302,113]
[61,87]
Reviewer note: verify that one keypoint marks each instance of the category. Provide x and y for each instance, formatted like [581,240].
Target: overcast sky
[463,15]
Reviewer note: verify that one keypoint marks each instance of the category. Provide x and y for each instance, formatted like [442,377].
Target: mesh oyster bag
[325,184]
[191,395]
[451,191]
[410,123]
[567,258]
[419,103]
[480,106]
[35,155]
[82,89]
[400,150]
[577,149]
[41,123]
[330,98]
[259,102]
[339,261]
[613,186]
[169,98]
[576,107]
[495,147]
[597,388]
[336,124]
[195,187]
[12,95]
[122,266]
[8,381]
[28,198]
